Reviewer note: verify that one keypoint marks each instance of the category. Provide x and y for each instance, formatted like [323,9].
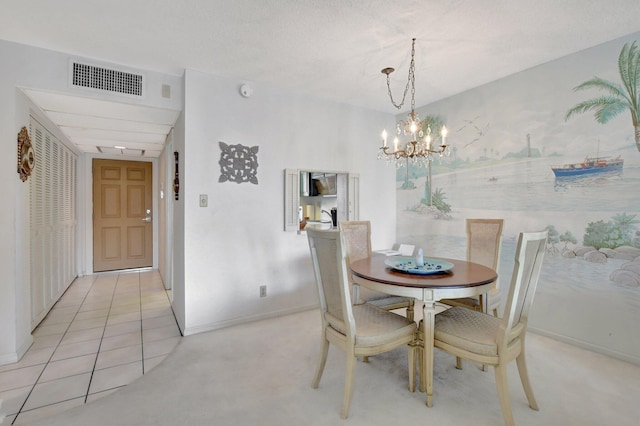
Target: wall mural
[523,150]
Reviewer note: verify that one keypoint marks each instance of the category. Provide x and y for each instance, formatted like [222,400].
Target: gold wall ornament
[26,155]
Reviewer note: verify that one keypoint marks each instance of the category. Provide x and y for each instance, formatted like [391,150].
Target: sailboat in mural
[590,165]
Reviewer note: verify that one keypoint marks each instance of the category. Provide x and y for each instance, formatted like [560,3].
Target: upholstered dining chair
[483,338]
[357,238]
[484,238]
[359,330]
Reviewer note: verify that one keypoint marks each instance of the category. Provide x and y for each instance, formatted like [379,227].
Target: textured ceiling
[331,49]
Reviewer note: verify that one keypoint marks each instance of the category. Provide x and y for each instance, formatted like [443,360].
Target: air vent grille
[111,80]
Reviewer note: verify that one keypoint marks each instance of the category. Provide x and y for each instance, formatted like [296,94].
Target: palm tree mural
[434,122]
[619,97]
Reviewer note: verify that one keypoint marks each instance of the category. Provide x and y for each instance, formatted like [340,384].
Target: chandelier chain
[411,81]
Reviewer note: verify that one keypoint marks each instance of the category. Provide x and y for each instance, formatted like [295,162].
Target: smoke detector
[246,90]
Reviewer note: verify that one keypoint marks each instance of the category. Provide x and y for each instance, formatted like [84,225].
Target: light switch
[166,91]
[204,200]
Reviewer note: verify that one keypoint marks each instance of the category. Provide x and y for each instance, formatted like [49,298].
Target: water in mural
[514,190]
[531,185]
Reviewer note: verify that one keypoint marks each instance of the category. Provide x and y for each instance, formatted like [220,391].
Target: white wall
[27,67]
[223,253]
[178,274]
[238,243]
[18,67]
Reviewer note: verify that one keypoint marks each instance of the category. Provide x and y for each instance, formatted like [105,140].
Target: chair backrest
[524,280]
[357,238]
[330,268]
[356,235]
[484,238]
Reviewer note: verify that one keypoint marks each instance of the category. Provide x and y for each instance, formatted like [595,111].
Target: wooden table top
[463,274]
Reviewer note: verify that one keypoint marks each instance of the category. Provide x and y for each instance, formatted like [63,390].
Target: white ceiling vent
[107,79]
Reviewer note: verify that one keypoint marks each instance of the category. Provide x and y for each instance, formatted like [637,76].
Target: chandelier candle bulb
[384,137]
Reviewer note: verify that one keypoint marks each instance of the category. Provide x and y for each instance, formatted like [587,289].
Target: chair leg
[324,350]
[524,378]
[365,359]
[411,355]
[459,363]
[349,380]
[495,314]
[410,311]
[503,394]
[421,377]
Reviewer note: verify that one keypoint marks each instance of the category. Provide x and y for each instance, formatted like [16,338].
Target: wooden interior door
[122,216]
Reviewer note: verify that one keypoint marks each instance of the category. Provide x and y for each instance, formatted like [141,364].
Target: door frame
[85,205]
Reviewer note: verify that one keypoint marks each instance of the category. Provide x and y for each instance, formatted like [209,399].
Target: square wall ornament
[238,163]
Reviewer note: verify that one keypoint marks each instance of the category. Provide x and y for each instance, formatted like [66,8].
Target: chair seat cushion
[390,301]
[369,296]
[468,329]
[470,302]
[494,301]
[375,326]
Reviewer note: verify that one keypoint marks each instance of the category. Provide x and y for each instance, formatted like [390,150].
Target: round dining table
[462,279]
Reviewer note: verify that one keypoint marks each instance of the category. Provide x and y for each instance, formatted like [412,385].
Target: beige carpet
[260,374]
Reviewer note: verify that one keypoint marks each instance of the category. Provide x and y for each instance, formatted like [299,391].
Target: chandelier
[421,147]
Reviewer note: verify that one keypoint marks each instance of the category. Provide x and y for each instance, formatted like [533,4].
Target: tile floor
[106,331]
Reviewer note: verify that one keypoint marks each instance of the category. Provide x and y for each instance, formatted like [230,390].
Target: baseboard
[237,321]
[12,358]
[586,345]
[178,321]
[9,358]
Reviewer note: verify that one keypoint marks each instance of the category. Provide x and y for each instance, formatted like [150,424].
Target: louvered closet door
[52,188]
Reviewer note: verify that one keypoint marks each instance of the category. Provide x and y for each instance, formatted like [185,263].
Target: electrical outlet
[263,291]
[204,200]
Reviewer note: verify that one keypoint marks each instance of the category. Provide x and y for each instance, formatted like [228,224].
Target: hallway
[106,331]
